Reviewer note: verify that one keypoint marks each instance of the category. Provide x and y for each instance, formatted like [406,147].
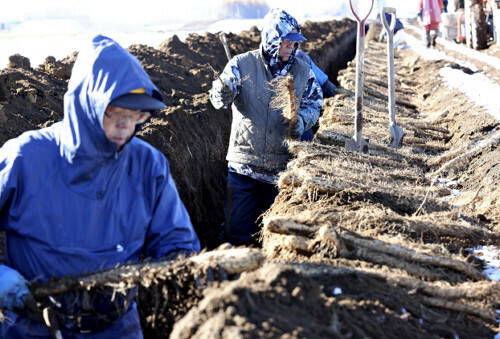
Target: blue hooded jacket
[318,73]
[71,203]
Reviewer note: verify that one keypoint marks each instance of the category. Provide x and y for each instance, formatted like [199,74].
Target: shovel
[357,143]
[396,131]
[222,37]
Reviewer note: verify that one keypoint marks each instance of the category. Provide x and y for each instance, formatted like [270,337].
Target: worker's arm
[224,90]
[10,154]
[170,231]
[312,100]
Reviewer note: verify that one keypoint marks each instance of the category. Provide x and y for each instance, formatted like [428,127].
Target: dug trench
[349,249]
[190,132]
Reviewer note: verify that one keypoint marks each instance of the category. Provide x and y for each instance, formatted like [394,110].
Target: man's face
[119,124]
[286,49]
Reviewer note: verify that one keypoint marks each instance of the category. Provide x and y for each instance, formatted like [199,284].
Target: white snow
[469,52]
[476,86]
[432,54]
[481,90]
[37,48]
[491,256]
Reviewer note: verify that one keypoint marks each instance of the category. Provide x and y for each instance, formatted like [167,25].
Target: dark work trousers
[246,200]
[307,135]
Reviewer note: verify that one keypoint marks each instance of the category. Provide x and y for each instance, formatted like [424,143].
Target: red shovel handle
[361,21]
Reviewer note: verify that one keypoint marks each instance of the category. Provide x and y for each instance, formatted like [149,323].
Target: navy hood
[276,25]
[102,72]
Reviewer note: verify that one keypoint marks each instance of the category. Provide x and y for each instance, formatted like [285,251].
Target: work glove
[297,130]
[220,95]
[328,89]
[13,289]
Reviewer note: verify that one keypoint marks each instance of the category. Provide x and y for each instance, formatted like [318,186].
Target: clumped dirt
[356,245]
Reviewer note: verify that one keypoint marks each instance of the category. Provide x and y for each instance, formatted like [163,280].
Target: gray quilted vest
[257,131]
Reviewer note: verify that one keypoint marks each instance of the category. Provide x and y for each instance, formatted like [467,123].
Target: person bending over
[84,195]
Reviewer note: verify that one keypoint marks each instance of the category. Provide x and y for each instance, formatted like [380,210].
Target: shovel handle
[396,132]
[392,12]
[222,37]
[361,22]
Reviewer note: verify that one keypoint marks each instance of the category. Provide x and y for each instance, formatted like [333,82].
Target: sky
[133,11]
[130,22]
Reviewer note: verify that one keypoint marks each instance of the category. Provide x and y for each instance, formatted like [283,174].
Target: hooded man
[84,195]
[257,149]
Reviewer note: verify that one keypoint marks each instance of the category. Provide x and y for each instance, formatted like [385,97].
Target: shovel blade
[396,135]
[354,145]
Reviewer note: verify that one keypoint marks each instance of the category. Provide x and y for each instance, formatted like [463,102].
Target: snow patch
[460,48]
[491,257]
[433,54]
[476,86]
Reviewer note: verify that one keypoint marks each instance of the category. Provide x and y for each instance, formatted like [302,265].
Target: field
[356,245]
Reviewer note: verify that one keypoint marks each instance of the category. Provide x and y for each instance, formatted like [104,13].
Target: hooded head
[104,73]
[277,26]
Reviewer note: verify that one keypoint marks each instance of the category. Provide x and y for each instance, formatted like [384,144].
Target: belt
[88,323]
[94,313]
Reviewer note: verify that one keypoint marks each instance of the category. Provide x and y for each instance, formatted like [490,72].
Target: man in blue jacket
[397,26]
[327,87]
[85,194]
[257,149]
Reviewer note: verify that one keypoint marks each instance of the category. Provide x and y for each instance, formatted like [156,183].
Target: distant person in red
[430,13]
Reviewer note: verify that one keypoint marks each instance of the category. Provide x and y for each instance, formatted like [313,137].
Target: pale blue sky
[136,11]
[125,21]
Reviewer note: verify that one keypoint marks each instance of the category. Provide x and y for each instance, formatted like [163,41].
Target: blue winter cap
[294,35]
[138,99]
